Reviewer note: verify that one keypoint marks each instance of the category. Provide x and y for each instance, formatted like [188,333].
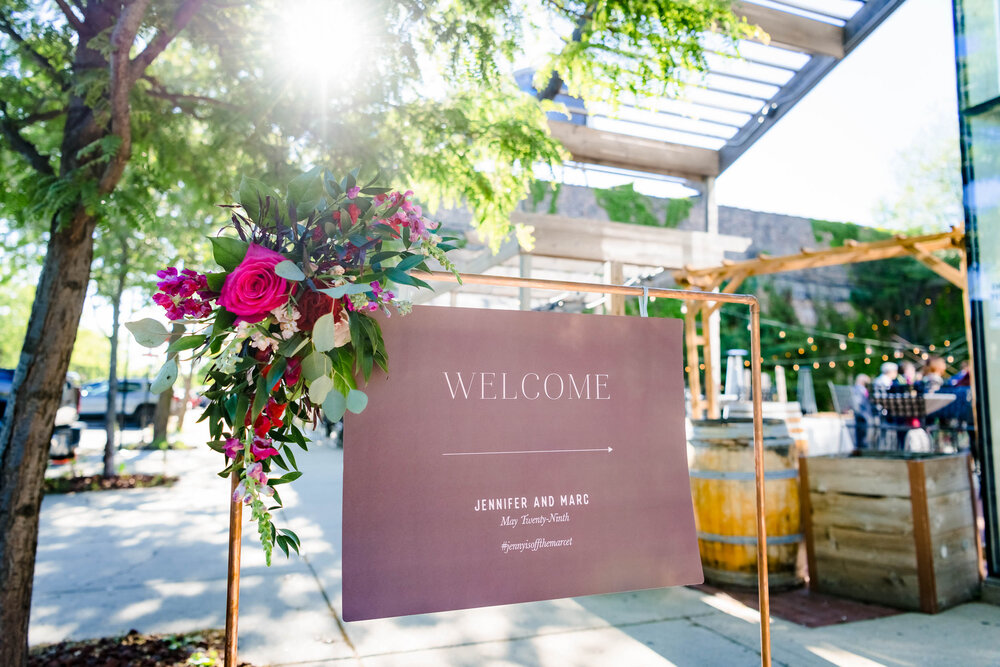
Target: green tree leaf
[228,252]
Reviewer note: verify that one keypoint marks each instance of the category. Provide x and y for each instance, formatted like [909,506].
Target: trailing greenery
[540,190]
[623,203]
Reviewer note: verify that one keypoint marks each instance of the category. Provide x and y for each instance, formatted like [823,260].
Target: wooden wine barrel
[722,486]
[790,413]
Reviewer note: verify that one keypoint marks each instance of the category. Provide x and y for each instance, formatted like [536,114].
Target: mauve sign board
[514,456]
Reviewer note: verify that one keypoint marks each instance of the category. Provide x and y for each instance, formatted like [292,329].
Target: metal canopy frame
[702,130]
[236,509]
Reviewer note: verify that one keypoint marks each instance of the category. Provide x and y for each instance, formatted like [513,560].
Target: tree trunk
[111,415]
[30,418]
[161,417]
[188,383]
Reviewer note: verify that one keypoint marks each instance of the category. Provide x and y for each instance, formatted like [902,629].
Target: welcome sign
[515,456]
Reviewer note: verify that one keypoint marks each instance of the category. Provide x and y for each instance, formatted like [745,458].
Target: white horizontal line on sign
[530,451]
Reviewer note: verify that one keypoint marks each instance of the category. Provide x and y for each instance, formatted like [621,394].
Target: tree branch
[8,28]
[159,91]
[122,38]
[71,16]
[38,117]
[555,84]
[27,149]
[163,38]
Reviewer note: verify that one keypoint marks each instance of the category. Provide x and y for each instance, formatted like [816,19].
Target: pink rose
[253,289]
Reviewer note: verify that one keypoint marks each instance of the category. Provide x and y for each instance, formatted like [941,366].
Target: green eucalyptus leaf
[357,400]
[324,333]
[148,332]
[316,365]
[347,288]
[319,388]
[289,270]
[334,406]
[166,377]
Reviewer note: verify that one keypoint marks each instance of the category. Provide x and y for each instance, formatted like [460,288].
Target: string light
[925,356]
[927,301]
[795,367]
[850,335]
[868,350]
[813,348]
[687,369]
[867,360]
[833,364]
[843,345]
[885,323]
[951,359]
[885,357]
[701,367]
[781,334]
[916,350]
[802,350]
[930,347]
[747,364]
[815,364]
[874,327]
[907,312]
[947,343]
[851,363]
[788,355]
[810,340]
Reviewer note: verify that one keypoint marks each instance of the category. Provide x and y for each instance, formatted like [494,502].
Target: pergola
[688,138]
[727,278]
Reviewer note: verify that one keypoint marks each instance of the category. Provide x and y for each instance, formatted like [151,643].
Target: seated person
[862,407]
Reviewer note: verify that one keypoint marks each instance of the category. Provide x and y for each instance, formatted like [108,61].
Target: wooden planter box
[894,531]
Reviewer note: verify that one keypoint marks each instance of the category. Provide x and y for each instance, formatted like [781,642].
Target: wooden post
[710,352]
[614,275]
[233,580]
[758,466]
[694,374]
[524,293]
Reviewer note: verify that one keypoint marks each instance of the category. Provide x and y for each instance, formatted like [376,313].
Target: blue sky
[842,149]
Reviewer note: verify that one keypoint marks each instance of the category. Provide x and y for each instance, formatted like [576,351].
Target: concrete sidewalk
[155,560]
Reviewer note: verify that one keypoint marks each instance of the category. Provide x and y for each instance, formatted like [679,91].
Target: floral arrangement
[286,323]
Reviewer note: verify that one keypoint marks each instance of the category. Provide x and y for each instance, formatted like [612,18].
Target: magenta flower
[353,192]
[261,448]
[233,446]
[253,289]
[241,494]
[256,473]
[177,294]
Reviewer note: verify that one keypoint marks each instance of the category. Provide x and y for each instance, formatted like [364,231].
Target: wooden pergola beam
[709,278]
[792,31]
[613,149]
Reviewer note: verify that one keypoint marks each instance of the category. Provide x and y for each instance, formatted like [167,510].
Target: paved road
[155,560]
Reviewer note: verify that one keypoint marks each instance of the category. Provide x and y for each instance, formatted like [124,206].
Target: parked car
[66,434]
[135,401]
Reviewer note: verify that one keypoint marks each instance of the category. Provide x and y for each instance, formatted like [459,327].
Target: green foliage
[623,203]
[833,234]
[640,49]
[542,189]
[678,210]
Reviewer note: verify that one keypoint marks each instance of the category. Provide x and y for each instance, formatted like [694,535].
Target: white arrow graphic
[530,451]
